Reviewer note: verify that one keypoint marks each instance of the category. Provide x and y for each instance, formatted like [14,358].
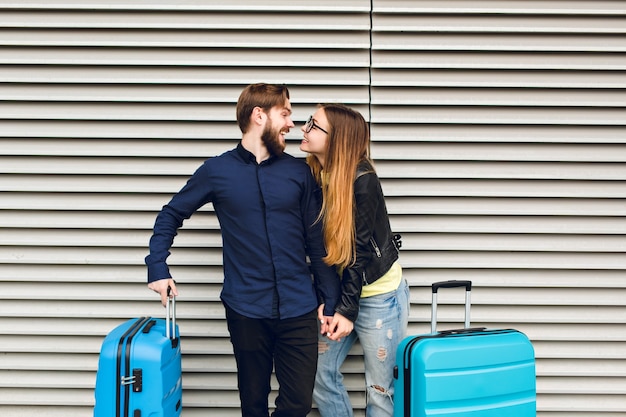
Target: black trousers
[289,346]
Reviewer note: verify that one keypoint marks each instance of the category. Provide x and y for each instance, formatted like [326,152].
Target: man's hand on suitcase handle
[162,286]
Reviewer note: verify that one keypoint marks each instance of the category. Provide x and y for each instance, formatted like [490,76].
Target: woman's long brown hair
[348,144]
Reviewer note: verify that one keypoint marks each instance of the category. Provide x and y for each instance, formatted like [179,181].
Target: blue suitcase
[139,370]
[470,372]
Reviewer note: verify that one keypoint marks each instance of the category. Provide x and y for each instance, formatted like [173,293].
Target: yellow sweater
[388,282]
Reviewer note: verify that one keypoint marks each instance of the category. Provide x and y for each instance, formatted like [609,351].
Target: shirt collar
[248,157]
[245,154]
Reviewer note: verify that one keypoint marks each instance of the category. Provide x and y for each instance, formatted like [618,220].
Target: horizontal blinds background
[106,108]
[498,131]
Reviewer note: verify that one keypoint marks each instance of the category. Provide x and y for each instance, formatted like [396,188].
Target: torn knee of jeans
[381,354]
[322,346]
[380,390]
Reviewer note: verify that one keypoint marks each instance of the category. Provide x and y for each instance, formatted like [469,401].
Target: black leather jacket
[376,246]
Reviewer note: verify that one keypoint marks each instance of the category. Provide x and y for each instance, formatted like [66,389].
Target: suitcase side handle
[450,284]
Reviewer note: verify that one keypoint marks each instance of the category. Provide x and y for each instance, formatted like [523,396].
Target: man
[267,203]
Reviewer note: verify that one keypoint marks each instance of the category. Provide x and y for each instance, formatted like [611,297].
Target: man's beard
[271,140]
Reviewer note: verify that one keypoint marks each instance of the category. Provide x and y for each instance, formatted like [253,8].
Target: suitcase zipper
[123,352]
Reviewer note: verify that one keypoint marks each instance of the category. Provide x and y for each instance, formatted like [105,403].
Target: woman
[374,302]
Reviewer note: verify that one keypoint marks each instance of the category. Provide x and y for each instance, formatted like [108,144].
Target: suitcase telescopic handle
[450,284]
[170,316]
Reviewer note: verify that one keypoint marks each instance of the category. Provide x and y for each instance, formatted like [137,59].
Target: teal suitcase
[139,369]
[470,372]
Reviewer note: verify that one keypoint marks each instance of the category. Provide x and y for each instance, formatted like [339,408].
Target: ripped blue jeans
[380,326]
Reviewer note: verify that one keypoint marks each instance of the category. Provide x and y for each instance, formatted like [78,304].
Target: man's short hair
[260,95]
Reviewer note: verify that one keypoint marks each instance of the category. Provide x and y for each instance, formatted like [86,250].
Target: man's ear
[258,116]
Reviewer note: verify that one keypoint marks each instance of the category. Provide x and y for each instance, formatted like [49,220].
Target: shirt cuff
[158,271]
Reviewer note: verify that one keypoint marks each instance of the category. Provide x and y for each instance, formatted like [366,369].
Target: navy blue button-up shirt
[267,215]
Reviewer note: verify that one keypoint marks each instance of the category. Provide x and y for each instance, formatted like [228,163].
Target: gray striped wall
[498,131]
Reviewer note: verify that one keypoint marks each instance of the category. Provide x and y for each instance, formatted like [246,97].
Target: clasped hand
[334,327]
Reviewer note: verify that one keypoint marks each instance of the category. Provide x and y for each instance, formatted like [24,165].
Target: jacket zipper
[376,249]
[378,254]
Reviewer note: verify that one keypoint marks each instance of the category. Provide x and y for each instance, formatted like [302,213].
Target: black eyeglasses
[310,124]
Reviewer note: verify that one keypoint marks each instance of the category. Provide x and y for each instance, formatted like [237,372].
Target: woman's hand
[339,327]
